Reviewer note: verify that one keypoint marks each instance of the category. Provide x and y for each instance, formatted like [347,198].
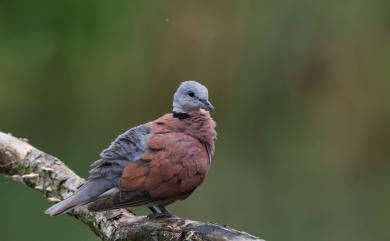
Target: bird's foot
[159,212]
[159,215]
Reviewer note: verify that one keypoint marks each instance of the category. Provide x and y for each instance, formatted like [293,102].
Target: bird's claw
[159,215]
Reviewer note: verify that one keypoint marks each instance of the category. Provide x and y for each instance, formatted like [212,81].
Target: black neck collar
[180,115]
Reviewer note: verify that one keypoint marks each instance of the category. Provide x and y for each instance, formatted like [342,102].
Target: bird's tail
[87,193]
[64,206]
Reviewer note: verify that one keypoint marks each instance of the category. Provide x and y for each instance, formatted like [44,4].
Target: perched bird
[153,164]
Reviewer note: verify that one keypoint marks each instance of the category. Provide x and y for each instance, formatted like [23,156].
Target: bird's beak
[208,106]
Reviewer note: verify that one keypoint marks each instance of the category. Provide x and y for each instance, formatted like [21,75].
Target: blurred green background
[302,90]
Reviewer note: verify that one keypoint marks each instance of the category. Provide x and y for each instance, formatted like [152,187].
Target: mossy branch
[48,175]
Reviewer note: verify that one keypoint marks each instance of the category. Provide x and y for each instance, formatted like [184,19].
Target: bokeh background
[302,90]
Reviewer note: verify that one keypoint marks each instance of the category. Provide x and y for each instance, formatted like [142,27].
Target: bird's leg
[153,209]
[155,213]
[164,213]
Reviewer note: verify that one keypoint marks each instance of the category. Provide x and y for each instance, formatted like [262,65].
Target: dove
[153,164]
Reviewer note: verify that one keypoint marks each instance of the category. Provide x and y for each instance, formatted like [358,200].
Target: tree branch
[48,175]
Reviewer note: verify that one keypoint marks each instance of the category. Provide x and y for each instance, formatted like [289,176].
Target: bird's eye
[191,94]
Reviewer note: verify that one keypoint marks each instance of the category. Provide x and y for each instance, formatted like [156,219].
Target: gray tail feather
[63,206]
[85,194]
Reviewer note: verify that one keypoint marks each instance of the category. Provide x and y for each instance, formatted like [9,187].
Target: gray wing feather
[127,147]
[105,172]
[121,199]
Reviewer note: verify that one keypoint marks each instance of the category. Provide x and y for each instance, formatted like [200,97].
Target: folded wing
[107,171]
[172,166]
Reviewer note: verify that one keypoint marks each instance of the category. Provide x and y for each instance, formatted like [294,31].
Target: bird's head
[191,96]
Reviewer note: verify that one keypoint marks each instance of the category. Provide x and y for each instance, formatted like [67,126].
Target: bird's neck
[202,126]
[180,115]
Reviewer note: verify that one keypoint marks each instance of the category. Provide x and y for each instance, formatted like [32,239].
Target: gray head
[191,96]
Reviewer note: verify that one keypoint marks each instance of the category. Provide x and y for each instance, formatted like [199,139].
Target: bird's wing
[172,166]
[106,172]
[126,148]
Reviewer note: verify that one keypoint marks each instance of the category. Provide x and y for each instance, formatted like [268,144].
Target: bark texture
[24,163]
